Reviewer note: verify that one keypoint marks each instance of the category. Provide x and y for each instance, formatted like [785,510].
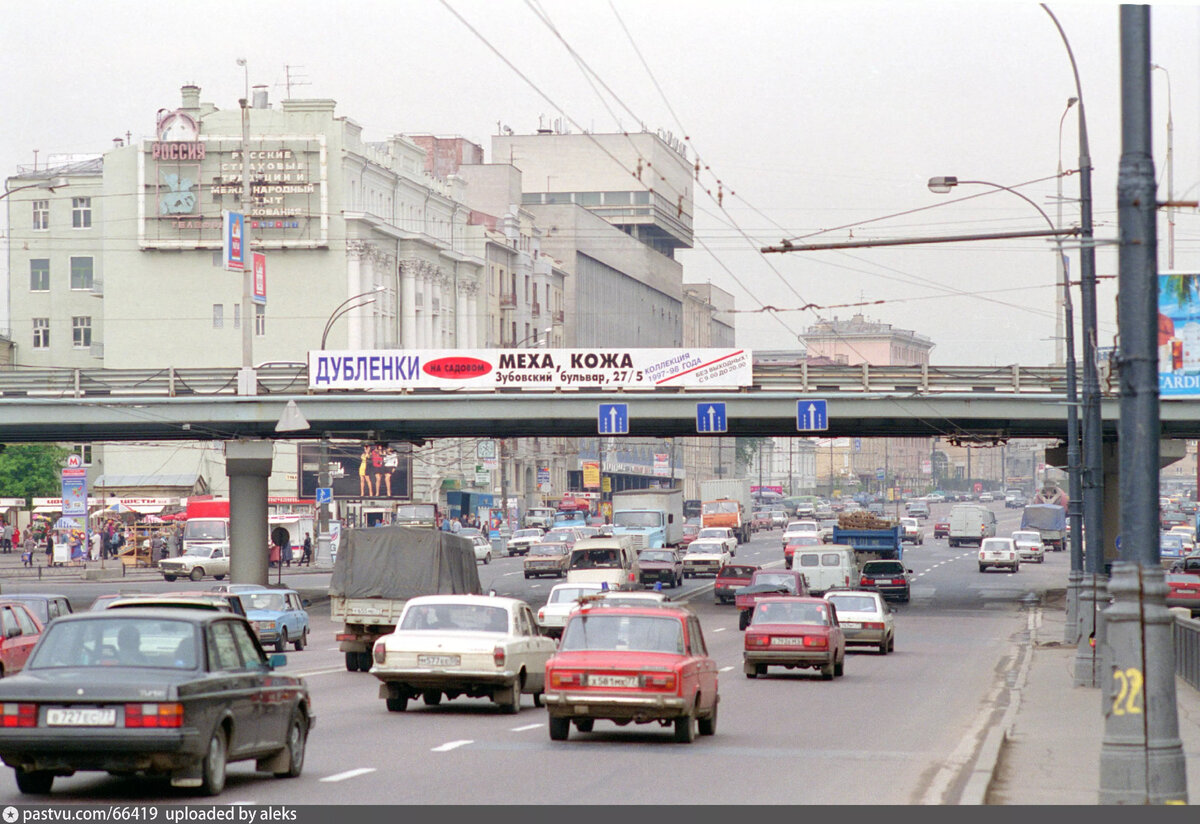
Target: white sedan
[481,646]
[866,618]
[522,539]
[720,533]
[1029,545]
[705,556]
[562,601]
[483,549]
[797,528]
[999,552]
[913,534]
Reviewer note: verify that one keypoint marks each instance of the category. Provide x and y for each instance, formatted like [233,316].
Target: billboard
[1179,334]
[545,369]
[363,470]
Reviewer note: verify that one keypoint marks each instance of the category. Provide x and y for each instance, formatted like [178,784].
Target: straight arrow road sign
[710,417]
[613,419]
[811,416]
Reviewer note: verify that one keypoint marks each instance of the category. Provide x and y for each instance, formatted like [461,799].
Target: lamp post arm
[337,313]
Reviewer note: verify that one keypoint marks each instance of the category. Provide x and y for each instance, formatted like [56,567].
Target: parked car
[163,692]
[562,601]
[999,552]
[765,583]
[19,632]
[1029,545]
[481,646]
[641,664]
[199,561]
[660,566]
[547,559]
[912,531]
[730,578]
[941,529]
[794,632]
[523,539]
[45,607]
[889,578]
[720,533]
[278,617]
[705,557]
[865,618]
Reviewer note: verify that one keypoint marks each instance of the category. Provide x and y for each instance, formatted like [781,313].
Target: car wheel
[585,724]
[212,779]
[708,726]
[883,647]
[839,667]
[300,642]
[219,577]
[743,619]
[892,644]
[282,640]
[751,670]
[537,699]
[197,573]
[297,738]
[397,704]
[351,662]
[509,699]
[827,672]
[487,559]
[431,698]
[169,578]
[685,729]
[982,567]
[526,576]
[34,782]
[560,728]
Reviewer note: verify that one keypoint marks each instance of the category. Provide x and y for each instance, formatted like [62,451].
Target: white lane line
[725,669]
[527,727]
[308,673]
[333,649]
[452,745]
[342,776]
[719,629]
[518,572]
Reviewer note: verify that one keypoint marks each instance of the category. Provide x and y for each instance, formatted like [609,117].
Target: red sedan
[794,632]
[941,529]
[19,632]
[1183,591]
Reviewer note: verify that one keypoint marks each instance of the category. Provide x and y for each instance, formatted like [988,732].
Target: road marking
[527,727]
[333,649]
[512,573]
[452,745]
[534,586]
[719,629]
[342,776]
[725,669]
[307,673]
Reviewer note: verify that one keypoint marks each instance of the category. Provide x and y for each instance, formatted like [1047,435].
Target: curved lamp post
[344,308]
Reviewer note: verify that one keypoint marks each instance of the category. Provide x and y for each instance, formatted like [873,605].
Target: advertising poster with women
[363,470]
[1179,334]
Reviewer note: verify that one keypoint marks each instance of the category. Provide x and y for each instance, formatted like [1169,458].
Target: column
[355,249]
[426,334]
[473,318]
[437,281]
[248,465]
[461,334]
[408,305]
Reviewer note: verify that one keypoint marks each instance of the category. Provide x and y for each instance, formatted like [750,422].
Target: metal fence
[1186,636]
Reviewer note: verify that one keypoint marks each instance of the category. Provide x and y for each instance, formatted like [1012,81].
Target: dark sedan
[889,578]
[170,693]
[660,566]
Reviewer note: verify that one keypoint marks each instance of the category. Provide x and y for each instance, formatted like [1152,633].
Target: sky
[815,119]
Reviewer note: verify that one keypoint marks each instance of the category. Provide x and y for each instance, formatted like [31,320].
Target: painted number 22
[1128,699]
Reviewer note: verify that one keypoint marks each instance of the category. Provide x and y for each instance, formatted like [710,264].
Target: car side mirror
[909,571]
[305,602]
[276,660]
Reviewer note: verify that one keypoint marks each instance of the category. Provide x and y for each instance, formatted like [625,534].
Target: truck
[652,517]
[1049,520]
[883,544]
[206,526]
[970,524]
[379,569]
[727,502]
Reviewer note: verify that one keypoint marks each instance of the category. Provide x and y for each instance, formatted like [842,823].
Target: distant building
[859,340]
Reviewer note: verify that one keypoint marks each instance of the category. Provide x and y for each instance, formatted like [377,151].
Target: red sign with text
[259,294]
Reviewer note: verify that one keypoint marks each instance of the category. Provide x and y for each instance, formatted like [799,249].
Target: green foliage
[746,448]
[31,470]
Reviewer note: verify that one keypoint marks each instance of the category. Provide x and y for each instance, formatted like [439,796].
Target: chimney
[118,142]
[260,97]
[191,97]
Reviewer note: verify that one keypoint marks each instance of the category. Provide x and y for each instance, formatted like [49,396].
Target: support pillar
[248,465]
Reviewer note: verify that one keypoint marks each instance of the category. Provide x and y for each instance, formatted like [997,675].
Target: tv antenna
[294,77]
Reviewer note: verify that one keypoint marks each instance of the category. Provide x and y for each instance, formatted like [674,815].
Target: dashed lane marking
[725,669]
[527,727]
[342,776]
[452,745]
[719,629]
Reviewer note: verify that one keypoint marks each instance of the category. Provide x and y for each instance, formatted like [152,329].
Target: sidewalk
[1051,749]
[12,570]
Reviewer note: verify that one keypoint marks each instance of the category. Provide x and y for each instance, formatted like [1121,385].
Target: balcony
[508,301]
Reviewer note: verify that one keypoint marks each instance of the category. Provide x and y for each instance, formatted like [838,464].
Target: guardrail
[1185,633]
[293,379]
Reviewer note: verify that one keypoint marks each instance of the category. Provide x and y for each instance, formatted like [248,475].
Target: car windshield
[205,530]
[455,618]
[117,642]
[566,595]
[854,603]
[657,556]
[596,559]
[780,612]
[1028,537]
[737,571]
[713,533]
[549,549]
[527,533]
[883,568]
[623,632]
[704,548]
[776,579]
[720,507]
[268,601]
[560,536]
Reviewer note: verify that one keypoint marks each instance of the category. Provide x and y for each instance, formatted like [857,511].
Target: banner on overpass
[395,369]
[1179,334]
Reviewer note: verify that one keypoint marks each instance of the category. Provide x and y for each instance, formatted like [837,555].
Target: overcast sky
[813,115]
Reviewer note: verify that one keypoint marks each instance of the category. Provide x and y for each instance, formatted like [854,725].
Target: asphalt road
[896,729]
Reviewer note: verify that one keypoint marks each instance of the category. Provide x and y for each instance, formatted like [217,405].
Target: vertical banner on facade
[259,294]
[591,474]
[233,240]
[662,466]
[1179,334]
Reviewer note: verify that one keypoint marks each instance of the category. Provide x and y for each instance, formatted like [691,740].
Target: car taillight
[380,652]
[18,715]
[664,681]
[154,715]
[564,679]
[873,625]
[541,615]
[981,555]
[864,581]
[816,641]
[754,639]
[498,656]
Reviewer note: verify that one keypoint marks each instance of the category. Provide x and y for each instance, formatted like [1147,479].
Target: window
[527,288]
[81,212]
[222,648]
[39,275]
[587,198]
[84,451]
[41,333]
[81,332]
[218,316]
[27,627]
[81,273]
[260,321]
[41,215]
[237,316]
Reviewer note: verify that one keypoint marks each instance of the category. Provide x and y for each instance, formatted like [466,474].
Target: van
[826,567]
[611,561]
[970,524]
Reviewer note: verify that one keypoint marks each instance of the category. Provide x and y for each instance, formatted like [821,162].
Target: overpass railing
[292,379]
[1186,636]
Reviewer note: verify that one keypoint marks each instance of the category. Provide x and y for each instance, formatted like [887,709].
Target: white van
[610,560]
[826,566]
[970,524]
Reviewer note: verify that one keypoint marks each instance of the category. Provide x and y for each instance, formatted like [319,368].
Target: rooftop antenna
[292,77]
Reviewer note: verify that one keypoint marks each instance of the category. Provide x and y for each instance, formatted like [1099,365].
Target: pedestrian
[287,552]
[377,468]
[6,535]
[306,558]
[49,548]
[364,480]
[16,538]
[30,545]
[97,546]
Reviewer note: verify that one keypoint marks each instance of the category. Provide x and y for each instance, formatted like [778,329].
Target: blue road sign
[324,494]
[613,419]
[811,416]
[710,417]
[880,474]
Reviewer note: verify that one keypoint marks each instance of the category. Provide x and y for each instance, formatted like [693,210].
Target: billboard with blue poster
[1179,334]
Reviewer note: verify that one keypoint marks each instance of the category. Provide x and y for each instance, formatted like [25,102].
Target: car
[547,559]
[540,516]
[643,665]
[1029,545]
[1188,565]
[865,618]
[278,617]
[916,509]
[45,607]
[912,532]
[169,693]
[589,531]
[660,566]
[238,588]
[471,532]
[1189,534]
[1173,517]
[483,549]
[200,560]
[102,601]
[720,533]
[1183,591]
[794,632]
[986,497]
[20,631]
[890,579]
[797,528]
[522,539]
[561,602]
[705,557]
[941,529]
[825,533]
[761,520]
[999,552]
[689,534]
[730,578]
[692,508]
[219,601]
[789,549]
[562,535]
[480,646]
[627,598]
[1172,548]
[764,583]
[779,518]
[1015,500]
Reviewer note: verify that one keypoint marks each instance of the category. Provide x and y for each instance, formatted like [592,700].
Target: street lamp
[49,184]
[1063,288]
[536,337]
[1170,172]
[343,308]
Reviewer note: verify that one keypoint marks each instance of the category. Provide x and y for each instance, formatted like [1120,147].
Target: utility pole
[1141,757]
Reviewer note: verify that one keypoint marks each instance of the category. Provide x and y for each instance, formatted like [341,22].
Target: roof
[81,166]
[188,480]
[151,614]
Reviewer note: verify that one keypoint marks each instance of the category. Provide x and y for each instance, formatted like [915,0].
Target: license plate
[787,642]
[439,660]
[612,680]
[851,625]
[81,718]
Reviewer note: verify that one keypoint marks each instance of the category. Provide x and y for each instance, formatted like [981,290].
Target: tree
[31,470]
[745,449]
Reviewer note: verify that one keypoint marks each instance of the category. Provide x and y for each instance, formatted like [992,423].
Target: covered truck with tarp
[379,568]
[1050,520]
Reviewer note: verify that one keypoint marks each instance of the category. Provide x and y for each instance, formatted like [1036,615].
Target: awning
[148,509]
[46,509]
